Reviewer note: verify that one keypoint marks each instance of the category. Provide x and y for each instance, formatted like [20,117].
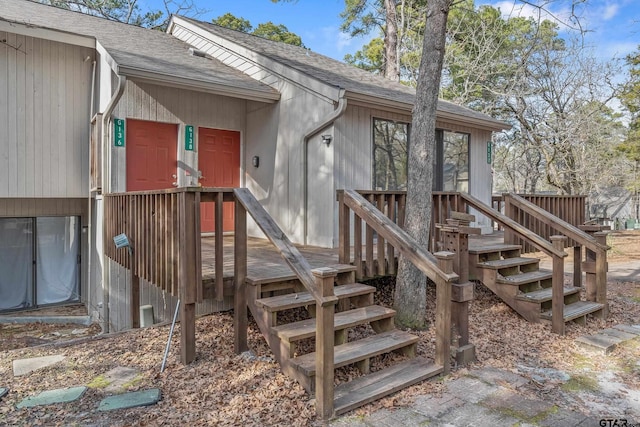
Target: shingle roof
[335,73]
[133,47]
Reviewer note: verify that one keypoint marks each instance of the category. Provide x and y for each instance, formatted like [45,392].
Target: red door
[151,155]
[219,162]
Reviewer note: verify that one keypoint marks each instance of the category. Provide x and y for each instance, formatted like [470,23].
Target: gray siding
[44,116]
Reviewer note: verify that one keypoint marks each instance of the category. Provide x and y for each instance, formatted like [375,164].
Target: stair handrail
[319,282]
[514,226]
[392,233]
[562,226]
[410,248]
[292,256]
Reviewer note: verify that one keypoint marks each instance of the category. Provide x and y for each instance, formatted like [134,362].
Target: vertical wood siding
[44,117]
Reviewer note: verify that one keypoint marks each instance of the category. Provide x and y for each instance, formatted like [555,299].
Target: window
[39,262]
[390,155]
[453,155]
[451,162]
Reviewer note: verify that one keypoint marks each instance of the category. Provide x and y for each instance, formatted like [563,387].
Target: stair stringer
[278,347]
[507,293]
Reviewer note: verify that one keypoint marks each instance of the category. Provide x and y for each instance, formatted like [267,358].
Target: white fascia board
[404,108]
[196,85]
[106,57]
[47,34]
[275,67]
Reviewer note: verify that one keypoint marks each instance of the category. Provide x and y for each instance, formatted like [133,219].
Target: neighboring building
[89,106]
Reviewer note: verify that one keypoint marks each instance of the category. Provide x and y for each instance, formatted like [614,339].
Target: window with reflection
[451,161]
[390,155]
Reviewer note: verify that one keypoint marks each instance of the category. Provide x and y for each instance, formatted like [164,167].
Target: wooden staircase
[355,307]
[520,283]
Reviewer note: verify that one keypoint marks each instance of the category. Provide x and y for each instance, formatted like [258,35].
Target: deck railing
[438,270]
[596,249]
[163,230]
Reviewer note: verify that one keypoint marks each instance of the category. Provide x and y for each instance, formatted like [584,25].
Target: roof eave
[407,108]
[198,85]
[30,30]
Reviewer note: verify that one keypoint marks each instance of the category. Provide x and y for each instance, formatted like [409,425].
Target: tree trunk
[392,68]
[410,295]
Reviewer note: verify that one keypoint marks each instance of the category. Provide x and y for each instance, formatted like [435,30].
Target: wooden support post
[219,246]
[577,266]
[601,273]
[344,231]
[590,275]
[325,311]
[443,313]
[190,272]
[240,320]
[557,280]
[455,239]
[134,302]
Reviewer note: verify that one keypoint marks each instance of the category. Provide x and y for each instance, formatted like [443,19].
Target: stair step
[301,299]
[307,328]
[278,276]
[356,351]
[543,295]
[376,385]
[506,263]
[493,248]
[575,310]
[524,278]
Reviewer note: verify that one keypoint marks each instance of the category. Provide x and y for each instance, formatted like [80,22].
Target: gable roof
[138,52]
[358,83]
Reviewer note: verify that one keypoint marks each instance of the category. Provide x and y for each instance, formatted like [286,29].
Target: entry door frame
[241,164]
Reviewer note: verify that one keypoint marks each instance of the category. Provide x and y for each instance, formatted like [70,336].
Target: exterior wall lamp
[326,139]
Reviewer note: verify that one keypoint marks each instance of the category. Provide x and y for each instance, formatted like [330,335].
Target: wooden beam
[219,246]
[240,320]
[325,278]
[557,280]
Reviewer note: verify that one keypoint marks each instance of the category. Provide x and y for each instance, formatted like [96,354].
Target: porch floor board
[265,265]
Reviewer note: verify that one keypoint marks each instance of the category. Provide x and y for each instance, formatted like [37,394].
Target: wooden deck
[264,263]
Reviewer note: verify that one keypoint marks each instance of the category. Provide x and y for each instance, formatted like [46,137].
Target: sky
[614,25]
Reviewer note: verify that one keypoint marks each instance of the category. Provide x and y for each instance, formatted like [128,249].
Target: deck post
[240,320]
[577,266]
[557,283]
[325,311]
[601,272]
[219,246]
[455,238]
[443,312]
[190,271]
[344,230]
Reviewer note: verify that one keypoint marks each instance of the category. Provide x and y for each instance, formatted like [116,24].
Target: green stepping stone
[49,397]
[3,391]
[130,400]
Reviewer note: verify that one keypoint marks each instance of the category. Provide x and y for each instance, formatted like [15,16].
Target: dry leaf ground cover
[222,388]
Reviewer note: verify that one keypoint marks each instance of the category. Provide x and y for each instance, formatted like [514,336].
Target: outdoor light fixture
[255,161]
[326,139]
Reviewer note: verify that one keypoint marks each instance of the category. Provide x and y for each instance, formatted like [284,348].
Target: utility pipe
[310,133]
[90,241]
[106,188]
